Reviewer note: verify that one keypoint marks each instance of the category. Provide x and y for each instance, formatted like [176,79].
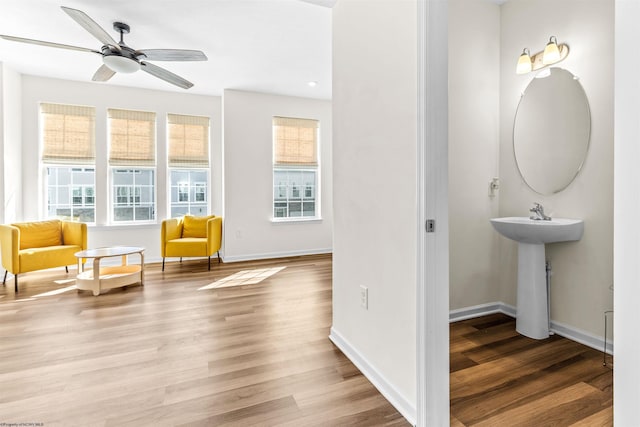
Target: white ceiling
[271,46]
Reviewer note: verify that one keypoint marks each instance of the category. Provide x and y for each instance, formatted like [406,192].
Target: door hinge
[431,225]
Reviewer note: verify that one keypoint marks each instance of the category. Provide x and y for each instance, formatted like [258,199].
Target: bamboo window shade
[68,134]
[295,141]
[188,141]
[132,138]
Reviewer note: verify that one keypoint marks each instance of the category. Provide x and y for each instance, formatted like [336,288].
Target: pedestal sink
[532,315]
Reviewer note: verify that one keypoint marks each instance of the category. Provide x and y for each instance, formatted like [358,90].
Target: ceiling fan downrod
[123,29]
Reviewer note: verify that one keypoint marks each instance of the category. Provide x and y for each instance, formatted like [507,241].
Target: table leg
[141,268]
[96,277]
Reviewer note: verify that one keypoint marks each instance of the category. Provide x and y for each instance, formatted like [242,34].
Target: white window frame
[72,187]
[191,190]
[132,203]
[290,197]
[120,159]
[297,168]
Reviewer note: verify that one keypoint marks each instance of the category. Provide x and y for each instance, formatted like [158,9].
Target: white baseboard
[561,329]
[240,258]
[253,257]
[581,336]
[481,310]
[378,380]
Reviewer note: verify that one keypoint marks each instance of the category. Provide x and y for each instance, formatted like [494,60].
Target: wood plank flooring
[170,354]
[501,378]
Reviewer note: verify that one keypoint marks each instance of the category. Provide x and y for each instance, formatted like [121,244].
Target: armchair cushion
[195,226]
[187,247]
[33,259]
[40,234]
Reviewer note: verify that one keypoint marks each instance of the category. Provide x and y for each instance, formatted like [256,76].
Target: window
[132,158]
[133,195]
[68,151]
[70,193]
[295,167]
[188,192]
[189,164]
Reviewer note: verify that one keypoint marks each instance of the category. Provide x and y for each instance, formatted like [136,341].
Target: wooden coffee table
[111,276]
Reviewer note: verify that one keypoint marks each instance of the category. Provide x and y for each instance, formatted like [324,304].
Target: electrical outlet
[364,297]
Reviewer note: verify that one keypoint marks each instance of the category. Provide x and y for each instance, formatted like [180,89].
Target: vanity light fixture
[551,54]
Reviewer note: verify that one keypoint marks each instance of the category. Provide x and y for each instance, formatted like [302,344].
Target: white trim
[432,287]
[581,336]
[481,310]
[296,219]
[377,379]
[252,257]
[569,332]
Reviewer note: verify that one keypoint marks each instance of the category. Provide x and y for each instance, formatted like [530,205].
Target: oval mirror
[551,131]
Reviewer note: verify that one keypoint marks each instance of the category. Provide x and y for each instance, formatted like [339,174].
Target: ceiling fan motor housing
[123,61]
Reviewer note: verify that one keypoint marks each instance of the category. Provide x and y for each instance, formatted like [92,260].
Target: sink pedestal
[532,316]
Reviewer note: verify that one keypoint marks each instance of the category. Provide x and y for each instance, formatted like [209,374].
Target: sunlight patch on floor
[245,277]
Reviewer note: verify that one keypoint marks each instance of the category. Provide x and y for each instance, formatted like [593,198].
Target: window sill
[128,226]
[295,220]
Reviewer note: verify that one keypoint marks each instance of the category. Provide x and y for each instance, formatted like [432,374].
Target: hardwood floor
[171,354]
[501,378]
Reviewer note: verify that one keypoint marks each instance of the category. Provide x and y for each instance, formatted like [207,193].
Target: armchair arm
[74,233]
[171,229]
[214,234]
[9,247]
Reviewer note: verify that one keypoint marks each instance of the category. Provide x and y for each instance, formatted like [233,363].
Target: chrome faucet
[538,213]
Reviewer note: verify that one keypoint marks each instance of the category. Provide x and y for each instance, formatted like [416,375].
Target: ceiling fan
[118,57]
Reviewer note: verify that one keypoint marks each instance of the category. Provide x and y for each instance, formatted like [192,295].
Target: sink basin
[532,310]
[525,230]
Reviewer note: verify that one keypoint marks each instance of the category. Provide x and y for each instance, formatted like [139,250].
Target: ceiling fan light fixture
[121,64]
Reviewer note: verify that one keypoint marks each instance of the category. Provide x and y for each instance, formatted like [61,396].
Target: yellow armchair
[37,245]
[191,236]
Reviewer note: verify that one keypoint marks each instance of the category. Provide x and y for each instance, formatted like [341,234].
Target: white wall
[582,271]
[626,380]
[10,137]
[38,89]
[375,204]
[250,232]
[474,85]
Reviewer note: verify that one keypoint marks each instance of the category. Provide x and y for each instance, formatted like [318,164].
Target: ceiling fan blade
[103,74]
[90,25]
[172,55]
[48,44]
[165,75]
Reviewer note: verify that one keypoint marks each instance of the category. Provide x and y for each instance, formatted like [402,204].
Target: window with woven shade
[188,160]
[295,168]
[132,157]
[68,153]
